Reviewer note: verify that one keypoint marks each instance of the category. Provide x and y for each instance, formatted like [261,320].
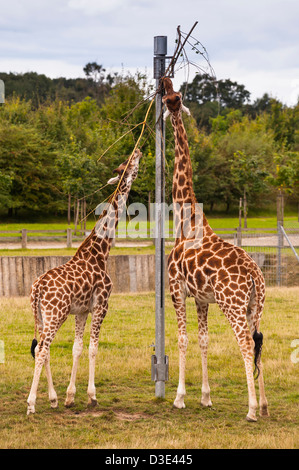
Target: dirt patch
[110,414]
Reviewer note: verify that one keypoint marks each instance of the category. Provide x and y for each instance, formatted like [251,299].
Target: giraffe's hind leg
[236,315]
[253,322]
[52,393]
[202,316]
[42,356]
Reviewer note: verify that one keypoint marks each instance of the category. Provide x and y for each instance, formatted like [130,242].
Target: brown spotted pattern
[212,271]
[80,286]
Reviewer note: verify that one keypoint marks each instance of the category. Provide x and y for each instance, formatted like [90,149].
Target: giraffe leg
[237,319]
[80,322]
[263,403]
[42,356]
[253,324]
[202,315]
[179,304]
[52,394]
[98,316]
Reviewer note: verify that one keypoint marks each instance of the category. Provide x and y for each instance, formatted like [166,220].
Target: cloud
[252,42]
[91,7]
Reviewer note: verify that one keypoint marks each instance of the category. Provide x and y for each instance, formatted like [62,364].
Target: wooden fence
[21,236]
[129,273]
[67,236]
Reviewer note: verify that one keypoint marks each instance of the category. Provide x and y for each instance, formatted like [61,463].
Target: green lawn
[128,414]
[215,222]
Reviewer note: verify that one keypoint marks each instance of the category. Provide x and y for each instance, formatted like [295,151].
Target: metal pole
[289,242]
[279,247]
[159,361]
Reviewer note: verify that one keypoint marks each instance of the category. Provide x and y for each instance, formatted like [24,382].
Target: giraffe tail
[259,287]
[33,346]
[258,343]
[35,306]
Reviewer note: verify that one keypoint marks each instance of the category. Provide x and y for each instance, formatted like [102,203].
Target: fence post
[24,238]
[240,212]
[279,247]
[69,238]
[239,236]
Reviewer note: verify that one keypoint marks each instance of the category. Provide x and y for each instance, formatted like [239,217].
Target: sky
[252,42]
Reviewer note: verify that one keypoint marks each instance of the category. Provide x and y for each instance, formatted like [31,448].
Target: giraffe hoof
[54,403]
[179,404]
[264,413]
[251,418]
[69,401]
[69,404]
[206,404]
[206,400]
[30,409]
[92,402]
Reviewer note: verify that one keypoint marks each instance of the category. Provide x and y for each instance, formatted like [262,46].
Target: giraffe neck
[99,242]
[182,188]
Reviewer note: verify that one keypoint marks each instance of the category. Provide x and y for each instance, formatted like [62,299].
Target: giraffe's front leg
[98,316]
[80,321]
[181,391]
[178,299]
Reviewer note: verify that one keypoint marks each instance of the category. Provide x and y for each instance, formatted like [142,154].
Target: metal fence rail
[275,251]
[271,252]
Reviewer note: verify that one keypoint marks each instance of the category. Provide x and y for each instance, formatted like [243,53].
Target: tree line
[60,143]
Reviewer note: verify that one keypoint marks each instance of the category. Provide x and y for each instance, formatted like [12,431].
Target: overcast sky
[252,42]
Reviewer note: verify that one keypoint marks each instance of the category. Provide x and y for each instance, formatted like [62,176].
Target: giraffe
[80,286]
[210,270]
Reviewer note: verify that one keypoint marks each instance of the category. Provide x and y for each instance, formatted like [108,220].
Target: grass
[135,250]
[128,414]
[216,222]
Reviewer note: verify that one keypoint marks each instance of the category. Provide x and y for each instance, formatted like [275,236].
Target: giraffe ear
[166,114]
[113,180]
[186,110]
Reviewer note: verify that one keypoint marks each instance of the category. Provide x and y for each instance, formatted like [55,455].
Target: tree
[94,71]
[5,188]
[249,176]
[29,161]
[208,97]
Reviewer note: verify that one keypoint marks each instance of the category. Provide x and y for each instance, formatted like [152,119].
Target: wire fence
[276,251]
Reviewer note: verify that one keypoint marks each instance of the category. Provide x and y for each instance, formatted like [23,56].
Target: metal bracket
[160,63]
[160,372]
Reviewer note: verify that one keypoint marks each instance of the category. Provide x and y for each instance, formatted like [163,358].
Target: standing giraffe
[80,286]
[204,266]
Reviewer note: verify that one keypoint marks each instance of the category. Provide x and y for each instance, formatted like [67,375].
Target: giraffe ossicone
[80,286]
[210,270]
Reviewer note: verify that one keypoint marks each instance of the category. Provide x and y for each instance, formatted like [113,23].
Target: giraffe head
[172,100]
[127,171]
